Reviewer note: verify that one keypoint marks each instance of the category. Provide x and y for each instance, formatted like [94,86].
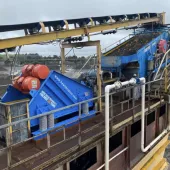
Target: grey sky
[24,11]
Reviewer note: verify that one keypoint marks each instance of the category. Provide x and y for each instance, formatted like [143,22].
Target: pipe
[115,156]
[116,85]
[143,148]
[107,90]
[111,76]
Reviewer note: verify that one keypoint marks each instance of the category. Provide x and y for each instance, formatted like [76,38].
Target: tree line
[35,58]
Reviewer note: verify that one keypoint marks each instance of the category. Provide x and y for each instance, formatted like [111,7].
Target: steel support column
[63,61]
[127,144]
[86,44]
[99,76]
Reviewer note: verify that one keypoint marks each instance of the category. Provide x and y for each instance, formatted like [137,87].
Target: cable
[61,48]
[69,52]
[85,63]
[14,61]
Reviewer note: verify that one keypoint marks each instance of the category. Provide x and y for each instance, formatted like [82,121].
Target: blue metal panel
[147,53]
[56,91]
[113,62]
[163,65]
[129,59]
[67,123]
[13,94]
[110,61]
[143,55]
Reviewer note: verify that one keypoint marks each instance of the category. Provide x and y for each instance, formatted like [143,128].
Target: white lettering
[66,88]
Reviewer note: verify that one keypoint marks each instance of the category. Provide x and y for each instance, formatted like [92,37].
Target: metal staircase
[163,75]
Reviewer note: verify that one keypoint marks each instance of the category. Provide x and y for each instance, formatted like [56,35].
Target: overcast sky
[25,11]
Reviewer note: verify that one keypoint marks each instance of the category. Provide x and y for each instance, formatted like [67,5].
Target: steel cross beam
[86,44]
[51,36]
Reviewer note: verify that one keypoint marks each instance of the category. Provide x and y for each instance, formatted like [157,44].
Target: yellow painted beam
[28,123]
[42,37]
[161,164]
[165,166]
[156,160]
[81,44]
[158,148]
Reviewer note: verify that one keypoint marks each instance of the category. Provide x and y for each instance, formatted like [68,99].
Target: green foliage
[74,61]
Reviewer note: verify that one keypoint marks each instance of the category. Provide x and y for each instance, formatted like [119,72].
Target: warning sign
[34,84]
[46,97]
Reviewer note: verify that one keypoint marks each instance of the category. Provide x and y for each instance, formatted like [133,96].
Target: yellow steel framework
[54,35]
[98,49]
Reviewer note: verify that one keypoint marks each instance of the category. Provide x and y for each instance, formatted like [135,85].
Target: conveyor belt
[84,26]
[131,46]
[59,24]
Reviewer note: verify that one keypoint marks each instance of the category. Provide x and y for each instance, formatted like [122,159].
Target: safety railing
[104,50]
[166,76]
[117,43]
[163,61]
[99,126]
[115,156]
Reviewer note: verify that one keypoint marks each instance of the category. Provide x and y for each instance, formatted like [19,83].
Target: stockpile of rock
[133,45]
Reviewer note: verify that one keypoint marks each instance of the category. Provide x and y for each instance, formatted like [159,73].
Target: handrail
[115,156]
[165,55]
[108,88]
[113,45]
[147,147]
[166,77]
[165,69]
[63,127]
[59,109]
[119,41]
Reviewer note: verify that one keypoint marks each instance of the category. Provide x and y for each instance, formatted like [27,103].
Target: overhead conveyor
[37,32]
[59,24]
